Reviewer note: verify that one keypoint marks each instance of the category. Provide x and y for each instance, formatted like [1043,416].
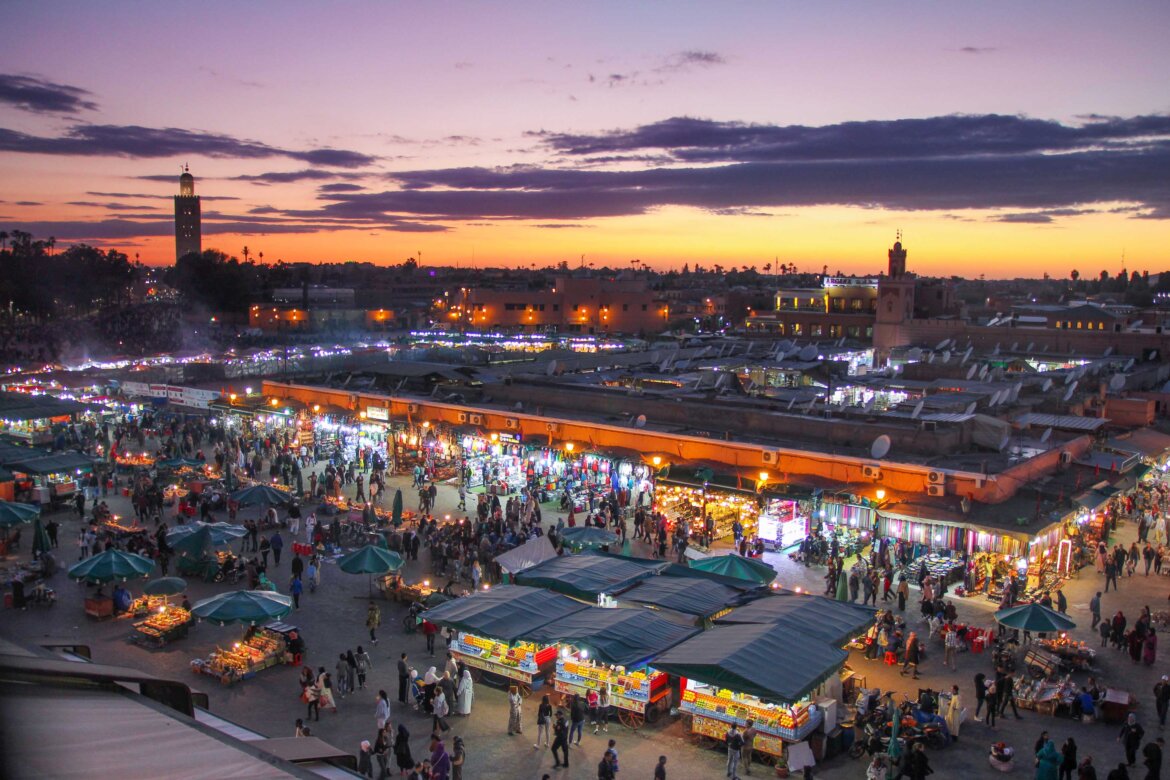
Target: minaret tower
[188,231]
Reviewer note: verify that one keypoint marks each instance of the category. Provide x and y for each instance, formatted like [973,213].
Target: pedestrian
[458,759]
[342,670]
[1131,738]
[1047,761]
[465,695]
[980,693]
[382,745]
[1152,754]
[951,649]
[734,742]
[295,589]
[992,703]
[544,716]
[277,544]
[1110,574]
[1162,699]
[365,766]
[265,548]
[373,620]
[912,654]
[576,718]
[402,755]
[364,665]
[749,741]
[1150,648]
[1061,602]
[592,699]
[954,713]
[313,699]
[1095,609]
[560,740]
[605,769]
[429,630]
[917,763]
[514,702]
[439,709]
[1086,771]
[903,593]
[612,754]
[326,685]
[660,769]
[1007,696]
[403,679]
[382,710]
[1068,759]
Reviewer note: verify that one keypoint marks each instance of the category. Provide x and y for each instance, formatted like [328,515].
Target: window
[796,329]
[855,304]
[854,331]
[869,331]
[835,331]
[817,330]
[540,307]
[837,304]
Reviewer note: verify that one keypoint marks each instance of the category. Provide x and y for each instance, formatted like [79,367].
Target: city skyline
[1003,141]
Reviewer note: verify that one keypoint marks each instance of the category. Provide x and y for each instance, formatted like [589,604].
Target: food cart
[732,674]
[492,628]
[612,649]
[260,649]
[164,625]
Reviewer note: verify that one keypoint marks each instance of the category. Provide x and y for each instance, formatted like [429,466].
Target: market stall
[702,595]
[164,625]
[730,674]
[784,521]
[259,648]
[46,479]
[611,650]
[491,625]
[688,504]
[588,575]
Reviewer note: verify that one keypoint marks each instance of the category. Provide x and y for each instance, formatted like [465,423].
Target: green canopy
[371,559]
[12,513]
[587,575]
[626,637]
[736,566]
[165,586]
[243,606]
[178,463]
[396,508]
[505,613]
[834,621]
[111,565]
[689,595]
[435,599]
[587,536]
[1034,617]
[40,542]
[261,494]
[766,661]
[197,540]
[842,586]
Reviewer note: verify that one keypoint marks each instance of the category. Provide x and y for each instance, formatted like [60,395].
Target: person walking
[515,700]
[576,718]
[373,620]
[402,756]
[277,544]
[1068,759]
[544,716]
[954,713]
[403,679]
[992,703]
[364,665]
[1131,738]
[458,759]
[1095,610]
[660,769]
[913,652]
[1110,574]
[560,740]
[918,763]
[295,589]
[747,751]
[1007,696]
[1152,758]
[465,695]
[1162,699]
[980,693]
[734,742]
[951,650]
[1047,761]
[382,710]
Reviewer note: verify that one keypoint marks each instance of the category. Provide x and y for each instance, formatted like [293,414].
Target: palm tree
[3,240]
[261,256]
[245,253]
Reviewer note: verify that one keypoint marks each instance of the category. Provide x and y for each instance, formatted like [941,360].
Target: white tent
[527,555]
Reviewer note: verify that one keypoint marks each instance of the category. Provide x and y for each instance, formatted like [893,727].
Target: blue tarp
[586,575]
[836,622]
[506,613]
[625,637]
[767,661]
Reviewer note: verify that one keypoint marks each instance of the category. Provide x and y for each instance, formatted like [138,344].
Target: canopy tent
[585,576]
[261,494]
[1034,617]
[587,536]
[736,566]
[690,573]
[625,637]
[243,606]
[506,613]
[769,662]
[13,513]
[690,596]
[111,565]
[52,464]
[199,539]
[835,622]
[533,552]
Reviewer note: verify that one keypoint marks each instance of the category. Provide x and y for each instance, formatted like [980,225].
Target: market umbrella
[261,494]
[894,751]
[396,508]
[1034,617]
[736,566]
[111,565]
[165,586]
[371,559]
[40,542]
[842,586]
[588,536]
[243,606]
[198,537]
[13,514]
[435,599]
[178,463]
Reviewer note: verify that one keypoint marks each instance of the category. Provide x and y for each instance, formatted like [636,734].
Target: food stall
[784,522]
[611,649]
[687,504]
[259,649]
[730,674]
[50,478]
[492,626]
[164,625]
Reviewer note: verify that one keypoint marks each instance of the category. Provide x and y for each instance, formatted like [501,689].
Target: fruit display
[243,659]
[145,605]
[163,626]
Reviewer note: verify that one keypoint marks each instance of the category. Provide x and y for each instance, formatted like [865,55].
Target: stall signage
[498,655]
[717,729]
[141,389]
[379,413]
[727,707]
[627,691]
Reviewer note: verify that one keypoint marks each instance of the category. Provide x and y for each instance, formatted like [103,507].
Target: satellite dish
[519,406]
[994,400]
[915,353]
[967,355]
[808,353]
[640,421]
[942,344]
[970,408]
[1108,351]
[1117,383]
[792,402]
[996,350]
[1046,435]
[1128,365]
[917,410]
[1015,346]
[1046,386]
[1069,377]
[971,371]
[880,447]
[841,343]
[869,404]
[982,371]
[551,368]
[1003,443]
[946,356]
[785,345]
[1068,393]
[930,358]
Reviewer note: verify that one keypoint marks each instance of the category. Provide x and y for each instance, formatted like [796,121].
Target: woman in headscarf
[1047,762]
[402,756]
[430,682]
[325,691]
[514,702]
[440,708]
[1150,652]
[954,713]
[464,694]
[458,757]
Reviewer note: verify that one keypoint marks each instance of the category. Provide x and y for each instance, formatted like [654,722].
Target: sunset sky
[1001,138]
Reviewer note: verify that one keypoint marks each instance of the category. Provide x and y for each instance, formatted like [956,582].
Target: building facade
[571,305]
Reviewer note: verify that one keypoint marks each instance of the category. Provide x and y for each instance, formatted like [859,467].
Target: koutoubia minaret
[188,231]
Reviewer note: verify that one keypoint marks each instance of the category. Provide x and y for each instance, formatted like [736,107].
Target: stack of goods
[165,625]
[257,652]
[145,605]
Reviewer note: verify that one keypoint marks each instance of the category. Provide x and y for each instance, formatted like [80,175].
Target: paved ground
[332,620]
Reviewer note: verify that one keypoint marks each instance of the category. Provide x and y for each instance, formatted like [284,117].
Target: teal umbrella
[588,536]
[1034,617]
[371,559]
[40,542]
[178,463]
[243,606]
[396,508]
[261,494]
[165,586]
[196,540]
[111,565]
[13,514]
[842,586]
[736,566]
[894,751]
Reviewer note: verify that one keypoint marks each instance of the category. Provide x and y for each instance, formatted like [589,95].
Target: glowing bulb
[569,446]
[763,476]
[881,494]
[584,653]
[656,460]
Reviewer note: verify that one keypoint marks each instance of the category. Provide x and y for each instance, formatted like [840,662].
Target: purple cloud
[36,95]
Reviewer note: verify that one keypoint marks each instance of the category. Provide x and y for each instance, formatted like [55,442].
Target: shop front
[689,502]
[524,664]
[785,520]
[50,478]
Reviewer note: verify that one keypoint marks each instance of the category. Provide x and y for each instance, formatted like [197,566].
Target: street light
[881,494]
[656,460]
[763,476]
[569,446]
